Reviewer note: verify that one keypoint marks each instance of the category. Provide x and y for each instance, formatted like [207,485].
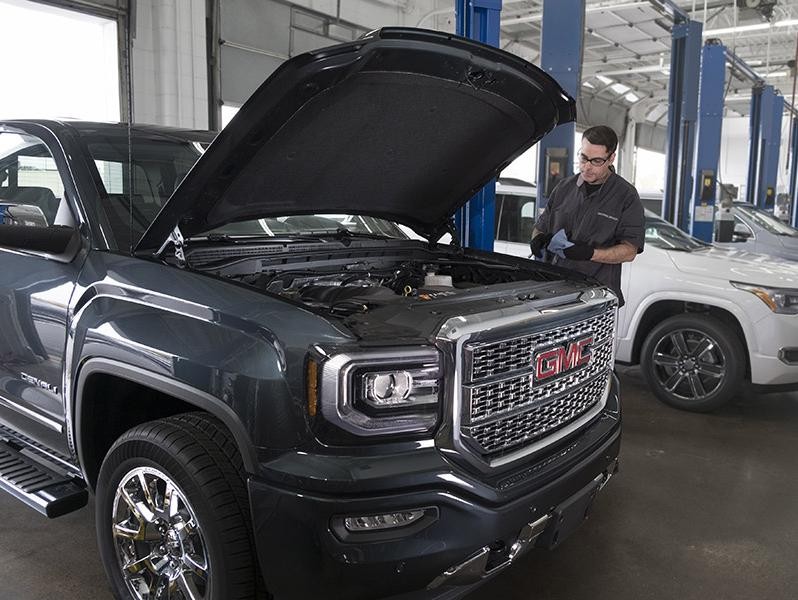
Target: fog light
[379,522]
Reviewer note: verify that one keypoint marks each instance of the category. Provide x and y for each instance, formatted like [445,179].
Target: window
[515,218]
[31,189]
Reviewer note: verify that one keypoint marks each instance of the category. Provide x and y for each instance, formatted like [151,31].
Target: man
[594,220]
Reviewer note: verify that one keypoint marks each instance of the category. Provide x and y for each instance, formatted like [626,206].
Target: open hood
[404,124]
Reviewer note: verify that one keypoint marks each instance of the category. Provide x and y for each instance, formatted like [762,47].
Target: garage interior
[702,96]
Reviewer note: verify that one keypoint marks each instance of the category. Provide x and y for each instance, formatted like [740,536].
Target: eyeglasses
[596,162]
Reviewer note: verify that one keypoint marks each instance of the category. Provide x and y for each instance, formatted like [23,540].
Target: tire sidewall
[141,453]
[729,344]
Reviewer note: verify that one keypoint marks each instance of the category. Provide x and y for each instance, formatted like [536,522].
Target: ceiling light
[739,29]
[786,23]
[604,80]
[587,84]
[777,74]
[632,97]
[620,88]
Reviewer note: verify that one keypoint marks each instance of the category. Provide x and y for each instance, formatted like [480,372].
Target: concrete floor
[705,506]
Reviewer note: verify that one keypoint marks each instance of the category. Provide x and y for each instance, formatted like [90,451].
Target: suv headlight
[779,300]
[388,391]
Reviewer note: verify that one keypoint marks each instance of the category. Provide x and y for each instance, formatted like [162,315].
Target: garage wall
[258,35]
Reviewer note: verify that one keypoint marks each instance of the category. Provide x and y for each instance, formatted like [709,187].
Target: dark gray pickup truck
[269,386]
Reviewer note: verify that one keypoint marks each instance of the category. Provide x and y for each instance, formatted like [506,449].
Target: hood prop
[178,242]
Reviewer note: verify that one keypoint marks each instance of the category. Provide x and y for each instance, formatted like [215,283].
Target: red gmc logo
[562,358]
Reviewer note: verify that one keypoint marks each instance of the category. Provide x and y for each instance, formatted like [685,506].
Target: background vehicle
[265,383]
[759,231]
[701,319]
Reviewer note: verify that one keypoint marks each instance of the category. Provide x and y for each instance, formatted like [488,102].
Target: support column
[770,158]
[682,116]
[561,48]
[478,20]
[710,122]
[761,104]
[794,175]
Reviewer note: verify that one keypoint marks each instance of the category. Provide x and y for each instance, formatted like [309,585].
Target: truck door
[35,288]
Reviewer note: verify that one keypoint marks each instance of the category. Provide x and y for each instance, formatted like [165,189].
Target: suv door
[35,288]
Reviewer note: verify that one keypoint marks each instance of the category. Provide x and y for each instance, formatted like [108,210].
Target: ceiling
[627,47]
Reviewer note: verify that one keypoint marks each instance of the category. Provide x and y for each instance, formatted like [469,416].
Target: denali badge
[560,359]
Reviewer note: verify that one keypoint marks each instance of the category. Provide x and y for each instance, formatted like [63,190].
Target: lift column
[794,174]
[710,122]
[763,103]
[770,156]
[478,20]
[561,57]
[682,116]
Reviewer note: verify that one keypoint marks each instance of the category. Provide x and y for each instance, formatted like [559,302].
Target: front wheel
[172,516]
[693,362]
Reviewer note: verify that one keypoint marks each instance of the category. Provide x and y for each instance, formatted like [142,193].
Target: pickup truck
[270,390]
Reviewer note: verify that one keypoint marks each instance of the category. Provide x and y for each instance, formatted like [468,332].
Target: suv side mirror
[56,239]
[741,233]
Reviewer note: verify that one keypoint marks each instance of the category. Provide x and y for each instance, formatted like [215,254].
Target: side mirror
[741,233]
[55,240]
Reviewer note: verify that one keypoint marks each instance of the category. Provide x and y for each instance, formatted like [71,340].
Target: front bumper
[473,528]
[775,335]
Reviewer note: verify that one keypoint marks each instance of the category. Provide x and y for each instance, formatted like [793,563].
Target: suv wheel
[172,513]
[693,362]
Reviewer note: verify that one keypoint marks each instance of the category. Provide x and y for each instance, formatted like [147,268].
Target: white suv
[699,319]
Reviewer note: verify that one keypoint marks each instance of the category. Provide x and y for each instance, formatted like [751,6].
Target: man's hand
[538,243]
[579,251]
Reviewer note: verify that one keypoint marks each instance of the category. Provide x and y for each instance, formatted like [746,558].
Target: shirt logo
[606,216]
[562,359]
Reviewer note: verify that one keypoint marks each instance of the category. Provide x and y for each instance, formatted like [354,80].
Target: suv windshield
[767,221]
[662,234]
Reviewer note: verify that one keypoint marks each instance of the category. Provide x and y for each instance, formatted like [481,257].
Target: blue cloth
[559,242]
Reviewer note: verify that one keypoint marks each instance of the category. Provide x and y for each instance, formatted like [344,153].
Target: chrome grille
[505,409]
[543,419]
[494,358]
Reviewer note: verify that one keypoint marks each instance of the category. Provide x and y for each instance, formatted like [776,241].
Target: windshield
[146,175]
[313,225]
[767,221]
[662,234]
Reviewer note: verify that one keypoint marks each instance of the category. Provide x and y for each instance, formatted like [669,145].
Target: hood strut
[178,242]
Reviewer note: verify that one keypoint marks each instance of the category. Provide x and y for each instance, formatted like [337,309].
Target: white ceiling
[628,42]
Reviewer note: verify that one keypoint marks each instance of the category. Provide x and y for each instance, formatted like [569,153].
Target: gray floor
[705,506]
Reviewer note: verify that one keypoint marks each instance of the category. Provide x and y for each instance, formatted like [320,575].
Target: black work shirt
[606,217]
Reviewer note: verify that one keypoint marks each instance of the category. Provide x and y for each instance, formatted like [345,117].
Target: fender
[625,344]
[186,393]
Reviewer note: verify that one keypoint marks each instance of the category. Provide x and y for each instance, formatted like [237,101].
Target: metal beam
[478,20]
[682,116]
[710,123]
[561,46]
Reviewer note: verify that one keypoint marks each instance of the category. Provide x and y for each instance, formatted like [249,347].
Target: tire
[693,362]
[189,534]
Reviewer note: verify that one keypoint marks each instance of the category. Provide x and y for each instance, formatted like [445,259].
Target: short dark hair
[601,135]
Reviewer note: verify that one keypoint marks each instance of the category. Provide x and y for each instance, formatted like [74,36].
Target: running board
[41,488]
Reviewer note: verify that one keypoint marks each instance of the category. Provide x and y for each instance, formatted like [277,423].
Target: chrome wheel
[159,543]
[689,364]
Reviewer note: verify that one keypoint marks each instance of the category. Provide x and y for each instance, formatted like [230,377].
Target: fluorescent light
[605,80]
[739,29]
[786,23]
[587,84]
[632,97]
[620,88]
[777,74]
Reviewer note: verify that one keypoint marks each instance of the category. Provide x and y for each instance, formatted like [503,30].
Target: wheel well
[110,406]
[659,311]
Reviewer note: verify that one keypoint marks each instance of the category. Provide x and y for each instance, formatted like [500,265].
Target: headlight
[783,301]
[388,391]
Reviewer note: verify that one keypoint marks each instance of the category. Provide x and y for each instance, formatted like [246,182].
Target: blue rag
[559,242]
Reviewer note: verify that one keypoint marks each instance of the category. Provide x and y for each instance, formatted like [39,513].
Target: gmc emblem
[562,359]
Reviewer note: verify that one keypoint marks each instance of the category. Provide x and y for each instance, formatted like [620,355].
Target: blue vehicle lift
[475,222]
[710,123]
[682,116]
[763,159]
[794,173]
[561,57]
